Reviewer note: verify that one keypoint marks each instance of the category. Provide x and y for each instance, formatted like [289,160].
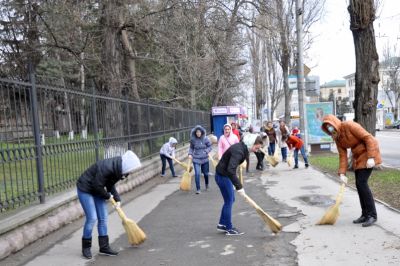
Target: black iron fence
[49,135]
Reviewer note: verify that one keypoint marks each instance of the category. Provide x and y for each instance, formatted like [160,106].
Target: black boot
[86,245]
[105,247]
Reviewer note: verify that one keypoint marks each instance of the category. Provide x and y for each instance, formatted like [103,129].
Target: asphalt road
[389,142]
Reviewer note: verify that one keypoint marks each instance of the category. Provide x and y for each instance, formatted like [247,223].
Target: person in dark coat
[200,147]
[226,178]
[95,187]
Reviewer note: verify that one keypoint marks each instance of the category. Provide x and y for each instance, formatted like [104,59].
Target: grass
[384,183]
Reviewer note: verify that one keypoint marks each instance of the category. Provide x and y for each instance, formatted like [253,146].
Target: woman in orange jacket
[365,150]
[297,144]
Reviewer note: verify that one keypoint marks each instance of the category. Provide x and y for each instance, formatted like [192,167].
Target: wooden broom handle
[188,165]
[179,162]
[119,210]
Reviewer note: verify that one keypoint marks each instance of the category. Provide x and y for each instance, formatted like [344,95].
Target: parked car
[396,124]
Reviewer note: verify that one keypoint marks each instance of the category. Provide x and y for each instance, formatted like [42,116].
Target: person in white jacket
[282,134]
[167,153]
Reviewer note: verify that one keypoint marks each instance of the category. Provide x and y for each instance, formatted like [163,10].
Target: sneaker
[221,228]
[306,165]
[207,187]
[174,176]
[295,167]
[162,175]
[198,192]
[233,232]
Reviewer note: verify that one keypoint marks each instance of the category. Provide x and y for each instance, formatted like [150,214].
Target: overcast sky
[332,54]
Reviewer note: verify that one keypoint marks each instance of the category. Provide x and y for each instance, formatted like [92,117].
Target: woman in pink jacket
[226,140]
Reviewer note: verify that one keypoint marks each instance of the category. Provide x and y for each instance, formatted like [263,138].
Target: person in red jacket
[297,144]
[235,130]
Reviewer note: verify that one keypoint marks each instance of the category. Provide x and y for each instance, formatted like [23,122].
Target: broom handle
[262,150]
[188,165]
[212,160]
[255,205]
[119,210]
[180,163]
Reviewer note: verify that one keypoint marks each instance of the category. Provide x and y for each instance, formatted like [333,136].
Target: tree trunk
[362,15]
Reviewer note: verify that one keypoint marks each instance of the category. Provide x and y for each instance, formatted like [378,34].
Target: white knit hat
[249,140]
[129,162]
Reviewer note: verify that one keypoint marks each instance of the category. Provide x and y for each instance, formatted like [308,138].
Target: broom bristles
[135,234]
[186,182]
[332,214]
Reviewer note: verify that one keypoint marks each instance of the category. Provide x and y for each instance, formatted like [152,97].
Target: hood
[203,131]
[129,162]
[333,121]
[227,125]
[172,140]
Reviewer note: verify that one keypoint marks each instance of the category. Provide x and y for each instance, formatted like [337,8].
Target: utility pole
[300,68]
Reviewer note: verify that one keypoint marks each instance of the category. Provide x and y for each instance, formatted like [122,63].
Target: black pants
[260,160]
[364,193]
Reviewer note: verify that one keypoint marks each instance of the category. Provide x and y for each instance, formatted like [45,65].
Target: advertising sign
[315,113]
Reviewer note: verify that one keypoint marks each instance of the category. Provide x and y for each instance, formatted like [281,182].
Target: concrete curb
[28,225]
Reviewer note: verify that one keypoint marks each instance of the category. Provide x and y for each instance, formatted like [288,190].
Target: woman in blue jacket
[200,147]
[95,187]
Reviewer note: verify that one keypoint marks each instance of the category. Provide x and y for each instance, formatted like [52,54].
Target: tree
[362,16]
[391,76]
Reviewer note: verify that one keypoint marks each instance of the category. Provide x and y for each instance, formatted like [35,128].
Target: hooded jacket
[100,178]
[351,135]
[294,142]
[225,142]
[199,147]
[167,150]
[230,160]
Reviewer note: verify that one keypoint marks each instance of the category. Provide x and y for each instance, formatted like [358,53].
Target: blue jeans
[95,209]
[164,164]
[296,156]
[204,168]
[226,187]
[284,153]
[271,149]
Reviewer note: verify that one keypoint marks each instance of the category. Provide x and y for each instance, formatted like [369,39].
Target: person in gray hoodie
[200,147]
[167,153]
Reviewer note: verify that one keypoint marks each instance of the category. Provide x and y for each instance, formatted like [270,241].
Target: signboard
[292,82]
[226,110]
[314,113]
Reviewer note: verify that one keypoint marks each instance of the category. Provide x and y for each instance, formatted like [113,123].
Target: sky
[332,53]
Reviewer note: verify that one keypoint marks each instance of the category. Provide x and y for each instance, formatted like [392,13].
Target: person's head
[172,142]
[331,125]
[282,123]
[233,124]
[129,163]
[198,133]
[331,130]
[269,124]
[253,142]
[227,130]
[295,131]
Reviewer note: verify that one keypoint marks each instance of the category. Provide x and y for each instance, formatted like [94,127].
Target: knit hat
[249,140]
[129,162]
[295,131]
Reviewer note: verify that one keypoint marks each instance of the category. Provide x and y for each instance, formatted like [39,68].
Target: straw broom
[270,159]
[186,182]
[332,213]
[184,165]
[273,224]
[214,163]
[290,159]
[135,234]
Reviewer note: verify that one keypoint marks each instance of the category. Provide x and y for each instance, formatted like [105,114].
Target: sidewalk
[181,227]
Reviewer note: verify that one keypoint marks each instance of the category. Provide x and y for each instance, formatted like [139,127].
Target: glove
[343,178]
[241,192]
[370,163]
[111,196]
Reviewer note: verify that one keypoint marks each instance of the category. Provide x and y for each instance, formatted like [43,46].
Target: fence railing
[49,135]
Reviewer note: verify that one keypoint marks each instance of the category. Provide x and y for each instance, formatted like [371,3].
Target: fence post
[36,134]
[129,121]
[149,127]
[94,114]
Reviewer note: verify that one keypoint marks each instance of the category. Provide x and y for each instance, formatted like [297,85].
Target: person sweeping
[95,187]
[167,153]
[366,154]
[226,178]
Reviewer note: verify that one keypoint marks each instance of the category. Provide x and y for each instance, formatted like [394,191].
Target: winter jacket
[280,137]
[294,142]
[271,134]
[199,147]
[225,142]
[237,133]
[230,160]
[167,149]
[352,135]
[100,178]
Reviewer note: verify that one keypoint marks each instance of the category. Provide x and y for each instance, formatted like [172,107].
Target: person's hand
[241,192]
[117,204]
[190,157]
[343,178]
[370,163]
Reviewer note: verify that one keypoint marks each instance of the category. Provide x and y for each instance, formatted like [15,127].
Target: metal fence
[49,135]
